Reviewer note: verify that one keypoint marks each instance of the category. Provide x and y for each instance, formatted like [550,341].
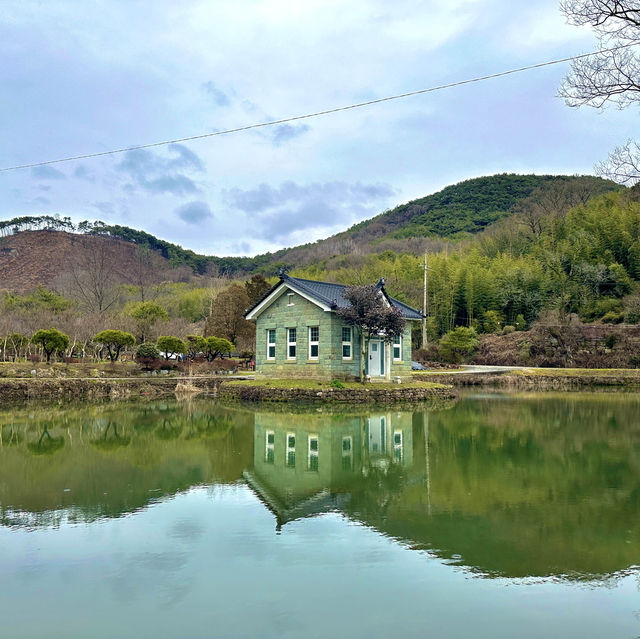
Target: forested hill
[467,207]
[455,212]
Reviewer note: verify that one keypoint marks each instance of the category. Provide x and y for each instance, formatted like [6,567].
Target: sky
[86,76]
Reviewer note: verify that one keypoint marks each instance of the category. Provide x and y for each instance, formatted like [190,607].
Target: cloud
[186,158]
[82,173]
[240,248]
[47,173]
[281,211]
[219,97]
[175,184]
[106,208]
[194,212]
[41,201]
[160,174]
[285,132]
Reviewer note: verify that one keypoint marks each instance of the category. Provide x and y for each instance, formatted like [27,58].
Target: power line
[319,113]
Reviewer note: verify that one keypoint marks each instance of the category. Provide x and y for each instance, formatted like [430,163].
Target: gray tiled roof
[331,295]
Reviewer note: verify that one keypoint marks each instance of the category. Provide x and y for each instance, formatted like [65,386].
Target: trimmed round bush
[147,351]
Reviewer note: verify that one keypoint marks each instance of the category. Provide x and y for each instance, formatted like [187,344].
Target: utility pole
[425,304]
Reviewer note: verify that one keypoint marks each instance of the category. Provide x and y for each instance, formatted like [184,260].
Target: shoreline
[426,386]
[539,379]
[14,390]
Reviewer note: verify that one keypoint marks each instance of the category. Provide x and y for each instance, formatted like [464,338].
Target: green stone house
[300,335]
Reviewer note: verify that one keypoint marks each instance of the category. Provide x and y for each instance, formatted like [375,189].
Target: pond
[498,516]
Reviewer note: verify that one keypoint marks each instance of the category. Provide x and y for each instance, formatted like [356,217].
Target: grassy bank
[543,378]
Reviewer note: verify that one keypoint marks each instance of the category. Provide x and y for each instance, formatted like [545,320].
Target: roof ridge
[302,279]
[315,294]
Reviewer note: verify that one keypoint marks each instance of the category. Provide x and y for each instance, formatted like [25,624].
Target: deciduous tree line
[83,335]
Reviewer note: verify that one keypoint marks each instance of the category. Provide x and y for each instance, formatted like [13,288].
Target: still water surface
[501,516]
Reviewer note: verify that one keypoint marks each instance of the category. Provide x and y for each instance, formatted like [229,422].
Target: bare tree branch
[610,77]
[623,164]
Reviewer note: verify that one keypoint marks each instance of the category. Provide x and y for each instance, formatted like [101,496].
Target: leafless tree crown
[611,75]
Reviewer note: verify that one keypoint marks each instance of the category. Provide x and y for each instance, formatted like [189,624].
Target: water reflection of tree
[107,443]
[9,436]
[209,427]
[168,430]
[376,487]
[46,445]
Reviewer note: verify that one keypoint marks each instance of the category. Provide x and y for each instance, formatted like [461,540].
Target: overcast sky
[87,76]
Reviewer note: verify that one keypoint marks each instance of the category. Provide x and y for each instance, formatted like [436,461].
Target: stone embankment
[366,395]
[549,379]
[89,389]
[14,390]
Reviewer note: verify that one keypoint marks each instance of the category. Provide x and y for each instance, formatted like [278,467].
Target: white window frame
[293,343]
[399,347]
[398,447]
[314,343]
[270,343]
[269,446]
[290,297]
[313,453]
[349,343]
[347,454]
[290,450]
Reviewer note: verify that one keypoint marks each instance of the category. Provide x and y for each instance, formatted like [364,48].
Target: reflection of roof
[321,502]
[330,295]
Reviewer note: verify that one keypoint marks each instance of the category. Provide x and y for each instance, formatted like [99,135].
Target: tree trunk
[363,354]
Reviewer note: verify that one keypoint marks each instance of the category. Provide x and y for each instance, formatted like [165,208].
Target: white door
[376,430]
[375,352]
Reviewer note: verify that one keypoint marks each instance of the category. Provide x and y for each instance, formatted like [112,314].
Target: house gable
[278,291]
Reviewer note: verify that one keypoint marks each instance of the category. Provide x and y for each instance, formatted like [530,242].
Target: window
[271,343]
[346,342]
[290,298]
[269,445]
[314,339]
[347,453]
[291,450]
[291,343]
[312,453]
[397,348]
[397,445]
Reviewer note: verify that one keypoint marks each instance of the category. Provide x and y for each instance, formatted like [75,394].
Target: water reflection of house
[306,464]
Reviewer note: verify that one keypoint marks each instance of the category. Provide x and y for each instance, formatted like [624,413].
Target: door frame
[380,359]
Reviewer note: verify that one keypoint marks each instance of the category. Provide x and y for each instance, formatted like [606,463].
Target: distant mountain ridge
[457,211]
[466,207]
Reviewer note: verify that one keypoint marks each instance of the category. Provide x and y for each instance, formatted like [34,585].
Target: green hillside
[467,207]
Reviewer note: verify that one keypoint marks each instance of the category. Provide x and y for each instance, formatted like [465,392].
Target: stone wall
[366,395]
[520,381]
[17,390]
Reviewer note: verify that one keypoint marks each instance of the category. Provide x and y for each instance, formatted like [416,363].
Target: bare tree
[93,277]
[145,271]
[553,201]
[623,163]
[610,76]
